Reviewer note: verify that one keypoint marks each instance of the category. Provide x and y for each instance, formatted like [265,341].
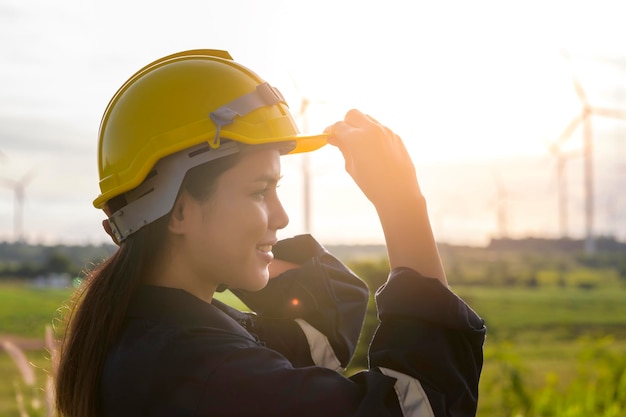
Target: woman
[189,162]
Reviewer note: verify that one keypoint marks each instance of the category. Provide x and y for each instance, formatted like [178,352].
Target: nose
[278,216]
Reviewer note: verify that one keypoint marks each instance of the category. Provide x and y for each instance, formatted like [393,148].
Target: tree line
[503,262]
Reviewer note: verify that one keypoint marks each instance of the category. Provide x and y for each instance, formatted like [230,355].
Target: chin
[254,288]
[258,284]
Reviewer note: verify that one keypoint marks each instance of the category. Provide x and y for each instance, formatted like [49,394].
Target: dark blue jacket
[181,356]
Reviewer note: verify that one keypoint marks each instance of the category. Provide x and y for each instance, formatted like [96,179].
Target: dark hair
[97,311]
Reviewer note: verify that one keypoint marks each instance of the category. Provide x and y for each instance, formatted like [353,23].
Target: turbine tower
[19,191]
[560,159]
[303,120]
[584,119]
[501,205]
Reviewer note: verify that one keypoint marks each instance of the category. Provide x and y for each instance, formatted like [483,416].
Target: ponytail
[95,319]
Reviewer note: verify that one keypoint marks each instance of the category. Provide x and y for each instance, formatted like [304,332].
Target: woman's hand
[375,157]
[278,266]
[379,163]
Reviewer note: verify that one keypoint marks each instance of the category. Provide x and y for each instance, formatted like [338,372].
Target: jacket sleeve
[313,315]
[430,341]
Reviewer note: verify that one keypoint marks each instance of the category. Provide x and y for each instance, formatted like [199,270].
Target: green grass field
[26,310]
[538,314]
[536,336]
[539,338]
[12,383]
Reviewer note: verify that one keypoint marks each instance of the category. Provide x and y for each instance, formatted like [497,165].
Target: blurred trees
[530,262]
[24,261]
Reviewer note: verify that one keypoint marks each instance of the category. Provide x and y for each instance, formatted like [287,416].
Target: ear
[182,214]
[107,228]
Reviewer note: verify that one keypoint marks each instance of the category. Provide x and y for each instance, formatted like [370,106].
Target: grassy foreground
[547,347]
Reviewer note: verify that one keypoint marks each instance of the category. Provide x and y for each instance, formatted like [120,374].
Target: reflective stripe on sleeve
[411,395]
[322,352]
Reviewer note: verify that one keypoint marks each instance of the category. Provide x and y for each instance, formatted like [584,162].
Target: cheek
[233,214]
[247,214]
[237,223]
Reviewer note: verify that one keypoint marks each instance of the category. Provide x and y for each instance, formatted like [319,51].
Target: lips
[265,251]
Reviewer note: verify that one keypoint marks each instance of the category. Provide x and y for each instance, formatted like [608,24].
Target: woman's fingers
[375,156]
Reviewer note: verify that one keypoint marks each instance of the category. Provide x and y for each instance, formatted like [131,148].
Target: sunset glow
[464,83]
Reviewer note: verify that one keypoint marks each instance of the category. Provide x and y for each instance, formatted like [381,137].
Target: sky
[477,90]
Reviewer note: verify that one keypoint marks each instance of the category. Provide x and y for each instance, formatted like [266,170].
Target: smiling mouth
[264,248]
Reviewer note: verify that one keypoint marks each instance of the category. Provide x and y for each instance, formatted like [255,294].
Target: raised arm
[380,165]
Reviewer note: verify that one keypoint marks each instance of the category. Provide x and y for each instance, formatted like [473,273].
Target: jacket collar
[183,309]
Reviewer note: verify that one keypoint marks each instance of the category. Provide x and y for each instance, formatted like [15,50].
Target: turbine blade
[568,131]
[580,92]
[28,177]
[8,183]
[614,113]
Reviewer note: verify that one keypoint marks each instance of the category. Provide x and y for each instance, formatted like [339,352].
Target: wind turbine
[584,119]
[501,205]
[19,188]
[302,119]
[560,160]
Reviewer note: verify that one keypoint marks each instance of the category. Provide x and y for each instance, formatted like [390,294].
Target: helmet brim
[309,143]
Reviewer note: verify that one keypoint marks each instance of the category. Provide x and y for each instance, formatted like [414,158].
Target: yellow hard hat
[183,100]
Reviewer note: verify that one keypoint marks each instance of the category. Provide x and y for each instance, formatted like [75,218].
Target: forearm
[381,166]
[409,236]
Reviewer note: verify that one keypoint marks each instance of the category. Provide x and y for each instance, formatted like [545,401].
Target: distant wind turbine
[560,159]
[584,119]
[19,189]
[501,205]
[302,118]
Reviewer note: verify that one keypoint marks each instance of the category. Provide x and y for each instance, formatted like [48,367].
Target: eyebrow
[270,179]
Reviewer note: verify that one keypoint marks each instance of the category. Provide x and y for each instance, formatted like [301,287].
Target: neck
[171,269]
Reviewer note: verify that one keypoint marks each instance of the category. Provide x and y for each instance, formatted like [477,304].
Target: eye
[264,189]
[261,193]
